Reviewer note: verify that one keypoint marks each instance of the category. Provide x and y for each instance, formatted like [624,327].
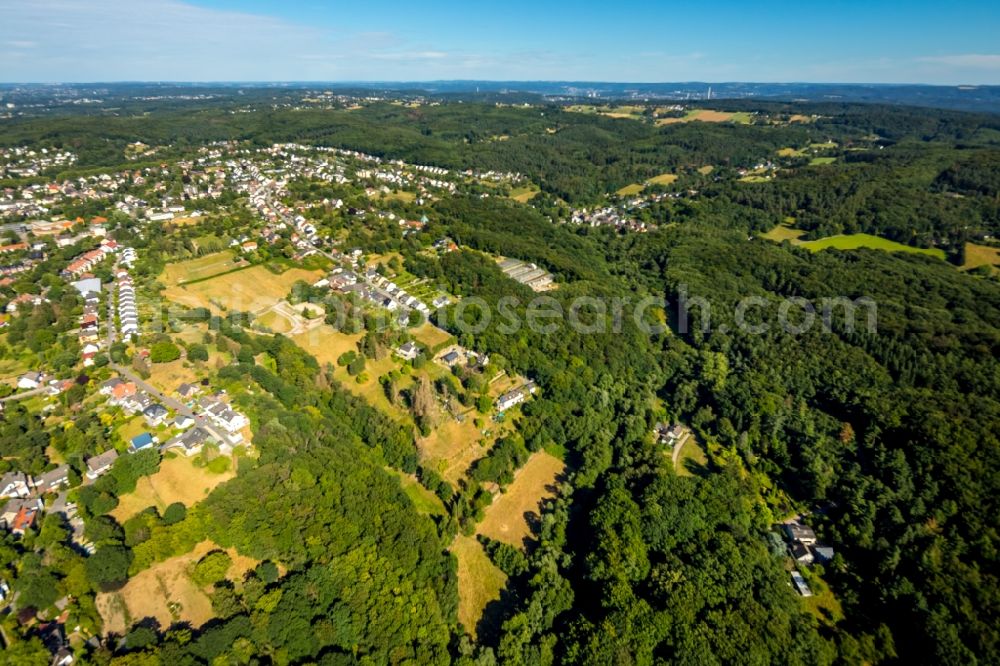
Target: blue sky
[332,40]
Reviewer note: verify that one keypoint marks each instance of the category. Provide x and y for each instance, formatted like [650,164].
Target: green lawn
[856,241]
[423,500]
[822,161]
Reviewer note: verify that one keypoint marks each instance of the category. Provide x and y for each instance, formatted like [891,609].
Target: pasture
[479,580]
[178,480]
[510,517]
[822,161]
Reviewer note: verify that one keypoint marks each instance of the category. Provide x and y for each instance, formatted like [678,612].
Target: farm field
[856,241]
[621,112]
[506,519]
[248,290]
[479,580]
[166,592]
[822,161]
[178,480]
[708,116]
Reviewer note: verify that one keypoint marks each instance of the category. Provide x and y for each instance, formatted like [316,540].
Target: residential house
[190,443]
[18,515]
[515,397]
[53,480]
[30,380]
[140,442]
[15,484]
[668,434]
[154,415]
[799,532]
[408,351]
[188,391]
[100,463]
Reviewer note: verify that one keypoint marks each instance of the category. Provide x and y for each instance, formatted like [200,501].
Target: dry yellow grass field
[452,447]
[506,519]
[248,290]
[479,580]
[177,481]
[981,255]
[662,179]
[166,592]
[630,190]
[327,344]
[168,376]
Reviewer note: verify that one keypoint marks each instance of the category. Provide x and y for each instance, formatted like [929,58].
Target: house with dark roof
[52,481]
[100,463]
[154,415]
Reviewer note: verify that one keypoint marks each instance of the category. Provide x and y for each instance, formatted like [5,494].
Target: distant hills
[966,98]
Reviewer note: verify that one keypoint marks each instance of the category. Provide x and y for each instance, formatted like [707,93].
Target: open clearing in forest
[784,233]
[452,447]
[981,255]
[178,480]
[166,592]
[479,580]
[510,517]
[856,241]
